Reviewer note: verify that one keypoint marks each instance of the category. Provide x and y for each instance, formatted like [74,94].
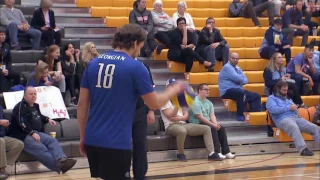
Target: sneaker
[230,156]
[214,157]
[182,157]
[306,152]
[240,117]
[221,156]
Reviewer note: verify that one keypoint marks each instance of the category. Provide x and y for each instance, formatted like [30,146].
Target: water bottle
[314,31]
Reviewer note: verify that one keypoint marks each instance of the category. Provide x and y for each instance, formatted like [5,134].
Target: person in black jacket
[44,20]
[211,45]
[143,116]
[182,44]
[6,72]
[69,59]
[27,125]
[10,148]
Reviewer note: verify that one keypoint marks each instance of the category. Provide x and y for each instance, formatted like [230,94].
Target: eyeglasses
[181,23]
[205,89]
[210,22]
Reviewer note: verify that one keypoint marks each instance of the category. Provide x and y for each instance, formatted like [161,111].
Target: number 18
[108,75]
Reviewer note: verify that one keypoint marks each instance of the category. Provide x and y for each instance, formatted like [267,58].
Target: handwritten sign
[49,98]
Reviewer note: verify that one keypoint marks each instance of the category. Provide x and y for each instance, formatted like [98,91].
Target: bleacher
[96,20]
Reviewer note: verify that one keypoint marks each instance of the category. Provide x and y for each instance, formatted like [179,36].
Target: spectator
[44,20]
[211,45]
[202,112]
[89,52]
[275,41]
[247,10]
[174,120]
[141,16]
[6,72]
[70,58]
[41,76]
[55,70]
[231,80]
[182,7]
[27,125]
[293,24]
[15,22]
[278,5]
[163,24]
[316,61]
[182,44]
[274,72]
[10,148]
[284,114]
[303,71]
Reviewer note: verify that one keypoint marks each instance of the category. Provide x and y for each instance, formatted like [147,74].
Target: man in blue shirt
[109,91]
[302,70]
[231,80]
[293,23]
[284,114]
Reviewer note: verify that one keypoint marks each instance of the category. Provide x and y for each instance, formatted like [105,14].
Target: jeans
[51,37]
[220,140]
[139,142]
[211,54]
[163,37]
[48,151]
[34,34]
[242,97]
[290,33]
[293,125]
[300,84]
[267,52]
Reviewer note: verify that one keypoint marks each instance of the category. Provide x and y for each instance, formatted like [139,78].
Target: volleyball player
[109,90]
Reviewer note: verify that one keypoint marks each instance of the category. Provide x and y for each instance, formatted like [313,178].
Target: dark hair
[309,46]
[295,2]
[279,85]
[181,19]
[127,35]
[209,18]
[135,4]
[201,86]
[63,52]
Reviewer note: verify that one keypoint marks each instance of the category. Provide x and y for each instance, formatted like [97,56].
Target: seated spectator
[163,24]
[55,69]
[316,61]
[303,71]
[293,24]
[284,114]
[182,45]
[6,72]
[211,45]
[274,72]
[27,125]
[10,148]
[275,41]
[15,22]
[174,120]
[69,59]
[247,10]
[182,7]
[44,20]
[202,112]
[89,52]
[40,77]
[231,80]
[141,16]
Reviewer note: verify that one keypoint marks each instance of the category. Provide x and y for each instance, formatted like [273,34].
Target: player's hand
[81,148]
[150,117]
[177,87]
[293,107]
[36,137]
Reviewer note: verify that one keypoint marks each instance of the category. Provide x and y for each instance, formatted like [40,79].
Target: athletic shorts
[109,164]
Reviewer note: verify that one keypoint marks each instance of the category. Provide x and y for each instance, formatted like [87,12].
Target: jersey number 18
[108,75]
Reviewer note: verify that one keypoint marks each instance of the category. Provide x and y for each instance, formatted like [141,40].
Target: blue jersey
[115,81]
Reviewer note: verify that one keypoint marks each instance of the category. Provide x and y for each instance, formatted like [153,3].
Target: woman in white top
[182,6]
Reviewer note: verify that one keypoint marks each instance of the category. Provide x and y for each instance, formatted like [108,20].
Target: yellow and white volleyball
[185,99]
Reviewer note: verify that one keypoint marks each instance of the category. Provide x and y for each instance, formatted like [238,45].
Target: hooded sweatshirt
[161,22]
[268,39]
[142,18]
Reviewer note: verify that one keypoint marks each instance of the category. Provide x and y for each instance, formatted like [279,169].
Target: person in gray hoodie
[162,22]
[141,16]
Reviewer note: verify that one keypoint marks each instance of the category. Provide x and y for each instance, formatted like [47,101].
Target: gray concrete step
[104,34]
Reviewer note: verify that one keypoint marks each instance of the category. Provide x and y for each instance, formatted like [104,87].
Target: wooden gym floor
[288,166]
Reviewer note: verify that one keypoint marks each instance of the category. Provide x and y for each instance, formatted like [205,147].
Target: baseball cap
[170,81]
[278,21]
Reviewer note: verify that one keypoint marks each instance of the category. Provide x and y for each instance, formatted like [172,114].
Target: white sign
[48,97]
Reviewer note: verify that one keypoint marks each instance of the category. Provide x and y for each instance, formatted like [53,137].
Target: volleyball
[185,99]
